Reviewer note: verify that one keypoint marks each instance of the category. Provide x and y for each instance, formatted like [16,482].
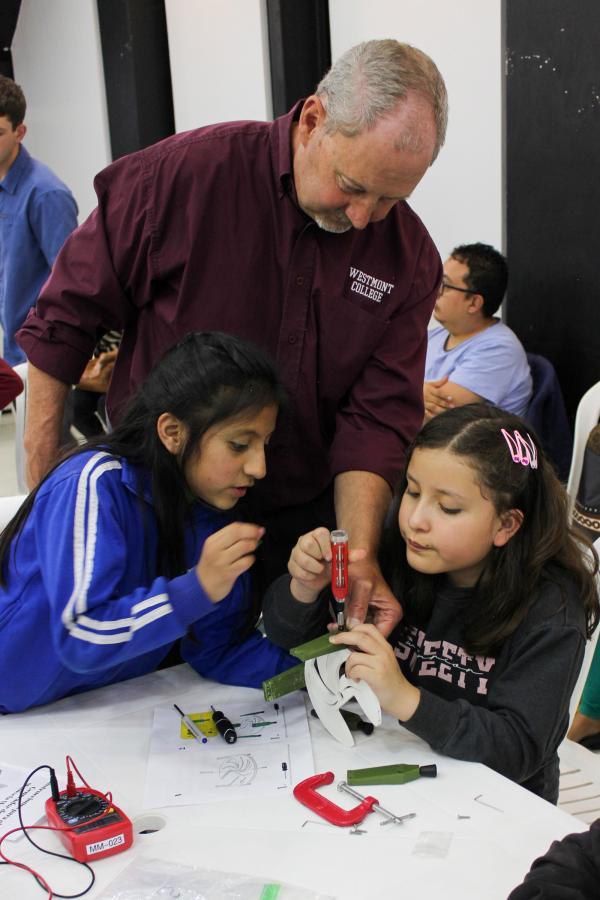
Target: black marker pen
[224,726]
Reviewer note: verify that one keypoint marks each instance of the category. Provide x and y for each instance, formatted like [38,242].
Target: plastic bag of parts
[153,879]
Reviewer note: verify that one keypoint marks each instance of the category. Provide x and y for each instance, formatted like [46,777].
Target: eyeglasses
[446,286]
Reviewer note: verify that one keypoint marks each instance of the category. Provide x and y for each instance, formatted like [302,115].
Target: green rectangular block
[284,683]
[318,647]
[395,774]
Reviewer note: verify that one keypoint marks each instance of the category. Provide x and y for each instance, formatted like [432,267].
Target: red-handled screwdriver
[339,572]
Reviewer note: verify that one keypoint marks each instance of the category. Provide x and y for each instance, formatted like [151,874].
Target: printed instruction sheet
[272,753]
[32,801]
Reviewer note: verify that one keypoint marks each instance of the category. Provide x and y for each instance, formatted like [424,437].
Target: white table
[107,732]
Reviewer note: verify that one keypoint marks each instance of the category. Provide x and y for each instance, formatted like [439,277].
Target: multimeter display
[74,810]
[89,837]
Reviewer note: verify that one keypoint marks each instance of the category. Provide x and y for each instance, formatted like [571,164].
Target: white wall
[219,54]
[460,198]
[57,61]
[220,71]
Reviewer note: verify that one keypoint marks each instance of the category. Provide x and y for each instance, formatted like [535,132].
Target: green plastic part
[356,723]
[270,892]
[352,719]
[318,647]
[395,774]
[284,683]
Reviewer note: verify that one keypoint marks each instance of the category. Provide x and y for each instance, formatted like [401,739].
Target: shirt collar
[137,480]
[13,176]
[282,149]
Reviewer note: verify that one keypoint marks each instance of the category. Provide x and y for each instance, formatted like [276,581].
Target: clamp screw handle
[392,817]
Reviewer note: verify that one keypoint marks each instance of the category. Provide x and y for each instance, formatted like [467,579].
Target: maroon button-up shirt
[203,232]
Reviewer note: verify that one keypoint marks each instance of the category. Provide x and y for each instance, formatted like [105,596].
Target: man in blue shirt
[37,213]
[472,355]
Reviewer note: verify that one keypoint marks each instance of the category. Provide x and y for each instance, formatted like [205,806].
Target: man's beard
[335,222]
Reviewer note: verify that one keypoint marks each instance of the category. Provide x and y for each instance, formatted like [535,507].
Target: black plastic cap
[428,771]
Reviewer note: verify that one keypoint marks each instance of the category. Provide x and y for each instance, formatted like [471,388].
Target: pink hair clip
[522,450]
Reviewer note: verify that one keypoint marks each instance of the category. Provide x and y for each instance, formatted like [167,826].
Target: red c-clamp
[305,792]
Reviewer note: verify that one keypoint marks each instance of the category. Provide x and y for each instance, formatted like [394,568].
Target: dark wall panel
[299,49]
[553,184]
[9,13]
[137,75]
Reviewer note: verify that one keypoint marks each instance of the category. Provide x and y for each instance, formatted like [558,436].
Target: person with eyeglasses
[472,355]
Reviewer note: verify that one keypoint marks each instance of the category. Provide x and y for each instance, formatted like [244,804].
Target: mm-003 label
[108,844]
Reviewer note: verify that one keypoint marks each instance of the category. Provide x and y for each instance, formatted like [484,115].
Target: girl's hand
[310,564]
[372,660]
[226,554]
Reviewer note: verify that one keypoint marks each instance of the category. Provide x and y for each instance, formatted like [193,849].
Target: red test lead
[339,572]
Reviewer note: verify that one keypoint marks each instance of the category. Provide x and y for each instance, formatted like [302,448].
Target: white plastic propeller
[329,689]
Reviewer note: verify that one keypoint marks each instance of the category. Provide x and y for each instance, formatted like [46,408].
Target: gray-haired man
[295,234]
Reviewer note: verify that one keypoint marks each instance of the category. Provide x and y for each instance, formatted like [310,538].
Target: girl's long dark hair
[204,379]
[544,547]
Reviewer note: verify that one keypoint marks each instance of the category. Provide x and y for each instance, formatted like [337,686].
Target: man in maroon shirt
[295,234]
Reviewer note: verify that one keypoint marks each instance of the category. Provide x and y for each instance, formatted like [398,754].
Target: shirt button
[292,339]
[300,280]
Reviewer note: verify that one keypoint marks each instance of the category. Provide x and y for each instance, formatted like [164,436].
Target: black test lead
[224,726]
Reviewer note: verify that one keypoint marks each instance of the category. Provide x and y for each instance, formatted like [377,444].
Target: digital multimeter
[87,840]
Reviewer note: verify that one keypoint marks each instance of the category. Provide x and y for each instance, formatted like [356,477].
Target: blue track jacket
[83,605]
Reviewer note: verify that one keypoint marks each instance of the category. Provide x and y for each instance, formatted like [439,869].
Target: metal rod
[344,786]
[483,803]
[398,820]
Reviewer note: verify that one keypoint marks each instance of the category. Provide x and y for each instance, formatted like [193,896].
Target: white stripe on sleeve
[85,529]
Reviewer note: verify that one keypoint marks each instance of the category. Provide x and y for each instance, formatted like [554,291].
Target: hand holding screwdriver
[311,564]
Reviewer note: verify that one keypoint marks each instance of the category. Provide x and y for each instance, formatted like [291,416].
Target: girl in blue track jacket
[129,544]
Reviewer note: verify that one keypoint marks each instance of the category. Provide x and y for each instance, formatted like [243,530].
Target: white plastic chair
[579,785]
[8,507]
[590,647]
[20,405]
[587,417]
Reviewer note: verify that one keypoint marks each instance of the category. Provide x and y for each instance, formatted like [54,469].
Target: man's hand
[226,554]
[435,398]
[361,502]
[370,594]
[97,373]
